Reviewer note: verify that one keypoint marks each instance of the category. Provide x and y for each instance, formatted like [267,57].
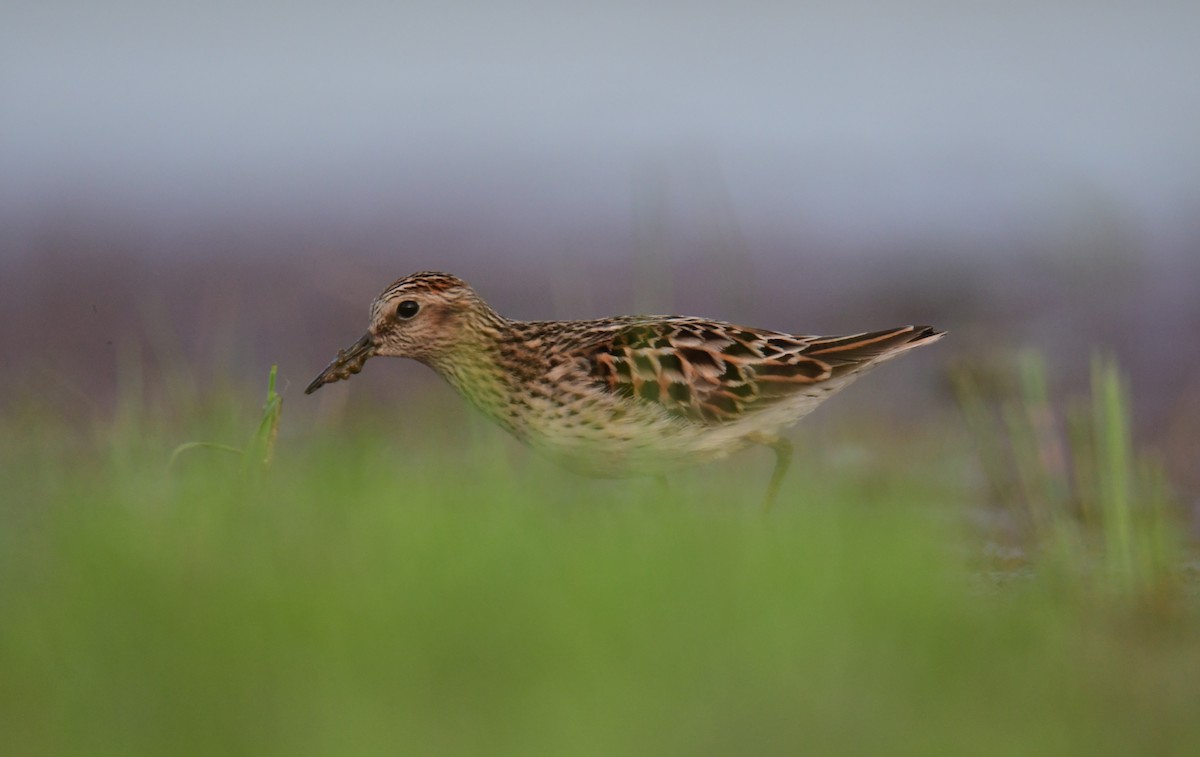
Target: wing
[712,372]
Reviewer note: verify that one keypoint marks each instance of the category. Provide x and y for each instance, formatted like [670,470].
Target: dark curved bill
[347,363]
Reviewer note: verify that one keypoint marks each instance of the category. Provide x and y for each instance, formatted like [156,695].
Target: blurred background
[209,189]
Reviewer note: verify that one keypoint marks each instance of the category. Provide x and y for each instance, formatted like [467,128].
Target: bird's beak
[347,363]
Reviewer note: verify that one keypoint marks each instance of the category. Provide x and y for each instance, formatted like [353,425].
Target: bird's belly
[638,439]
[623,450]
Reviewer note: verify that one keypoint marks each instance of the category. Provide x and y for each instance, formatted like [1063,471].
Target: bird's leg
[783,459]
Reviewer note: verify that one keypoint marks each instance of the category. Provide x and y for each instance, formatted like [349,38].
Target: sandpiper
[621,396]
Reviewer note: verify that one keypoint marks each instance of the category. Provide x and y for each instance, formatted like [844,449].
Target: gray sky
[850,118]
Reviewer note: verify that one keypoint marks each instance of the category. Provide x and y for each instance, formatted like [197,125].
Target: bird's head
[424,316]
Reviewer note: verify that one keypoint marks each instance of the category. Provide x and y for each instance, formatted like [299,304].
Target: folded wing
[713,373]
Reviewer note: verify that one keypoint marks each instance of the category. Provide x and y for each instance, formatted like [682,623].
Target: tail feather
[870,347]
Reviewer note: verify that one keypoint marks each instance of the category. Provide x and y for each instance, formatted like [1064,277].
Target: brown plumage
[619,396]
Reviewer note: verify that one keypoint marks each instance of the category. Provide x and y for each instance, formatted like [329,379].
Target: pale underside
[647,440]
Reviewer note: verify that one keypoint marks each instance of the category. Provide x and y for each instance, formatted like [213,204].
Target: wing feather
[712,372]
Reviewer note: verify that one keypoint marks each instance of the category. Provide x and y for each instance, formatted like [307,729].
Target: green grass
[1098,515]
[431,591]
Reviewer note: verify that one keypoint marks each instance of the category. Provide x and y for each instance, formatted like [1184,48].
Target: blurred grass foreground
[379,591]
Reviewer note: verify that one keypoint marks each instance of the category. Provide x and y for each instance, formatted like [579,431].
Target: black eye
[407,309]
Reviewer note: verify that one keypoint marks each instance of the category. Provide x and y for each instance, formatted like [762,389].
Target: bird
[622,396]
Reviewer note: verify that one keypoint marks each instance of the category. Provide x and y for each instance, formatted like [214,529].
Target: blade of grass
[1113,465]
[262,445]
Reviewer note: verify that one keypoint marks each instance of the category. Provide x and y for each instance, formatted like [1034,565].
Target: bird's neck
[483,368]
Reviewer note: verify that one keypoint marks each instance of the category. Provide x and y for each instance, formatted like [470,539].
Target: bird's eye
[407,309]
